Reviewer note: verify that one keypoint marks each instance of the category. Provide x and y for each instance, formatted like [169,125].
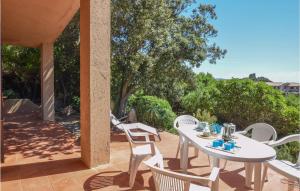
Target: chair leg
[291,186]
[134,170]
[264,175]
[178,149]
[130,163]
[196,151]
[225,164]
[215,185]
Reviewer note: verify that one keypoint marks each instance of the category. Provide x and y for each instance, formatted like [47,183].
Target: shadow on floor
[39,169]
[117,178]
[35,138]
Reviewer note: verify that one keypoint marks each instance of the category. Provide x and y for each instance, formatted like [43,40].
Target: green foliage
[287,121]
[10,94]
[244,102]
[258,79]
[153,44]
[205,116]
[153,111]
[288,151]
[171,88]
[293,100]
[203,97]
[21,71]
[67,62]
[21,67]
[76,103]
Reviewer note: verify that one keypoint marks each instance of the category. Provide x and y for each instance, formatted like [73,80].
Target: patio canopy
[30,23]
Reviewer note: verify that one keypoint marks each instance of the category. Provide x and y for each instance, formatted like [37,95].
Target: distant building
[289,87]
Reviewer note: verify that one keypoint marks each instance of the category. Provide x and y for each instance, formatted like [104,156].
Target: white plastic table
[251,151]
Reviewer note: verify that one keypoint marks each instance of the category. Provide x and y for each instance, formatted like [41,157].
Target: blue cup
[232,144]
[216,143]
[227,146]
[218,129]
[221,142]
[213,128]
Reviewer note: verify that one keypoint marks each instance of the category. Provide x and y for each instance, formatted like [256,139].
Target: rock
[68,110]
[132,116]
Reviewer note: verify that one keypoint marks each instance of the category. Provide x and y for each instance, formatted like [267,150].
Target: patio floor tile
[45,156]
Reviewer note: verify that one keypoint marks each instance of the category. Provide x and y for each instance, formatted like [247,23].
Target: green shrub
[76,103]
[293,100]
[287,121]
[205,116]
[10,94]
[288,152]
[153,111]
[203,97]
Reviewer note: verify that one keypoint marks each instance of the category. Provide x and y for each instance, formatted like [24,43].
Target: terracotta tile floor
[44,156]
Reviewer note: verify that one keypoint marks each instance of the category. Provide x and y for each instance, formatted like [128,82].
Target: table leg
[184,154]
[215,185]
[257,176]
[248,174]
[216,162]
[291,186]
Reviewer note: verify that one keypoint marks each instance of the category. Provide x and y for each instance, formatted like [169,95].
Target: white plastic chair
[283,167]
[139,151]
[190,122]
[145,128]
[261,132]
[166,180]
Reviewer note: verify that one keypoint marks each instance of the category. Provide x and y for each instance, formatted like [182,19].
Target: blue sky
[261,36]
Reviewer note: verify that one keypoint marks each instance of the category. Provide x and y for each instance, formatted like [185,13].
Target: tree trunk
[64,91]
[125,92]
[34,91]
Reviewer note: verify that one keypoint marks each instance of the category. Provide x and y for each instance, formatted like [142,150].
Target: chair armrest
[266,142]
[151,143]
[214,174]
[142,142]
[122,118]
[284,140]
[140,134]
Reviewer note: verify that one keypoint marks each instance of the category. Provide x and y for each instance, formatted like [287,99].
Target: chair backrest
[185,120]
[165,180]
[116,122]
[262,132]
[288,139]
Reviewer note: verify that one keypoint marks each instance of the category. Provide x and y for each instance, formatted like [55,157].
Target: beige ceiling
[32,22]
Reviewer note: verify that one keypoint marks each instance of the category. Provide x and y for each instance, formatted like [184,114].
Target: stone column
[1,100]
[47,82]
[95,81]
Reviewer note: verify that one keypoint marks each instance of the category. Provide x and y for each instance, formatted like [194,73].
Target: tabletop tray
[209,137]
[222,149]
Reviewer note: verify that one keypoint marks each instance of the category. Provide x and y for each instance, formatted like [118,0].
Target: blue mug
[217,128]
[221,142]
[216,143]
[227,146]
[232,144]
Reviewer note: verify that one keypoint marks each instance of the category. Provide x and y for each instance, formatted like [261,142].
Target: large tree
[153,39]
[20,68]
